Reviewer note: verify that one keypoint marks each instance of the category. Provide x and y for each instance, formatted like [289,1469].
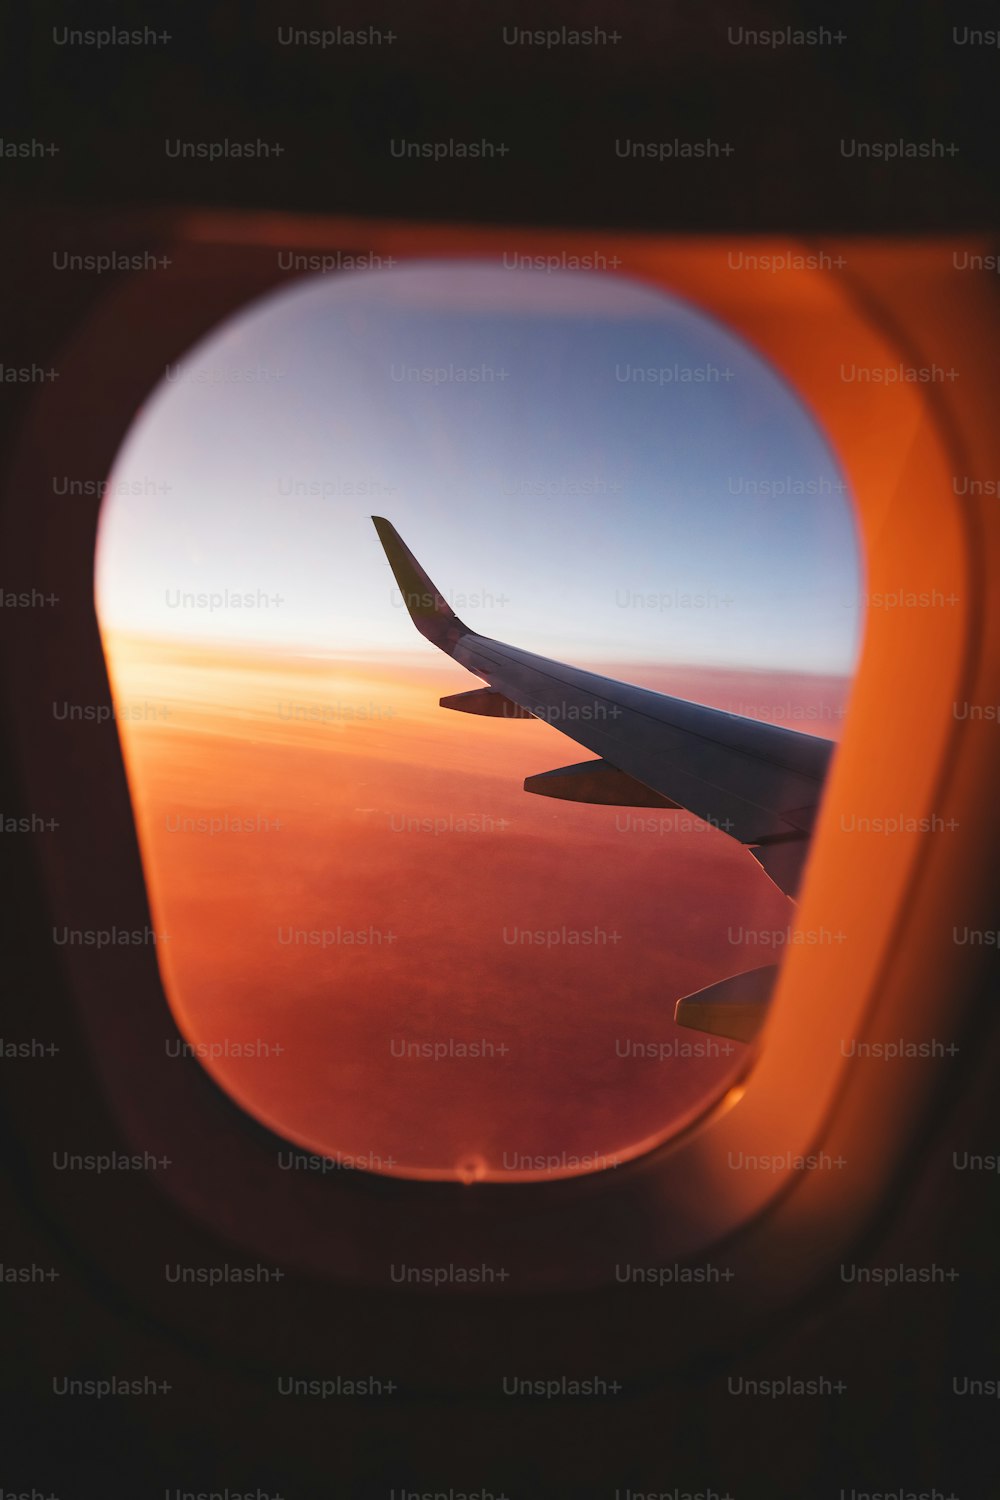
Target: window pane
[379,944]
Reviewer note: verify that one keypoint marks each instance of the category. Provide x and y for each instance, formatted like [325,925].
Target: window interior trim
[899,446]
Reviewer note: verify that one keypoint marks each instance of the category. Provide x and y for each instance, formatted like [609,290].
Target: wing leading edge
[757,782]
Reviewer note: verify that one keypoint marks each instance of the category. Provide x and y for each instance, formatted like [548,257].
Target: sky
[559,501]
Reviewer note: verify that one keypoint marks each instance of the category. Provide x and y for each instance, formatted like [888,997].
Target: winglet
[431,614]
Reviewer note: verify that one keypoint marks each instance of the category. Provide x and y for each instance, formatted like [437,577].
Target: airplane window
[372,936]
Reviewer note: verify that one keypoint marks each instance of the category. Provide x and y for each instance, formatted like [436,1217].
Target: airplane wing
[757,782]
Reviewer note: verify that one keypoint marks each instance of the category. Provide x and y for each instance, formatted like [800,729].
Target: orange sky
[347,802]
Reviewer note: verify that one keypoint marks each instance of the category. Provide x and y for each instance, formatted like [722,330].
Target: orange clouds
[382,947]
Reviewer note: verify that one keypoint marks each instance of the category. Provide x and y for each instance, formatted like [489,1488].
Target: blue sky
[565,505]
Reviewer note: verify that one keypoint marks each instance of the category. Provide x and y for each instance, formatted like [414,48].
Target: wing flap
[595,781]
[735,1007]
